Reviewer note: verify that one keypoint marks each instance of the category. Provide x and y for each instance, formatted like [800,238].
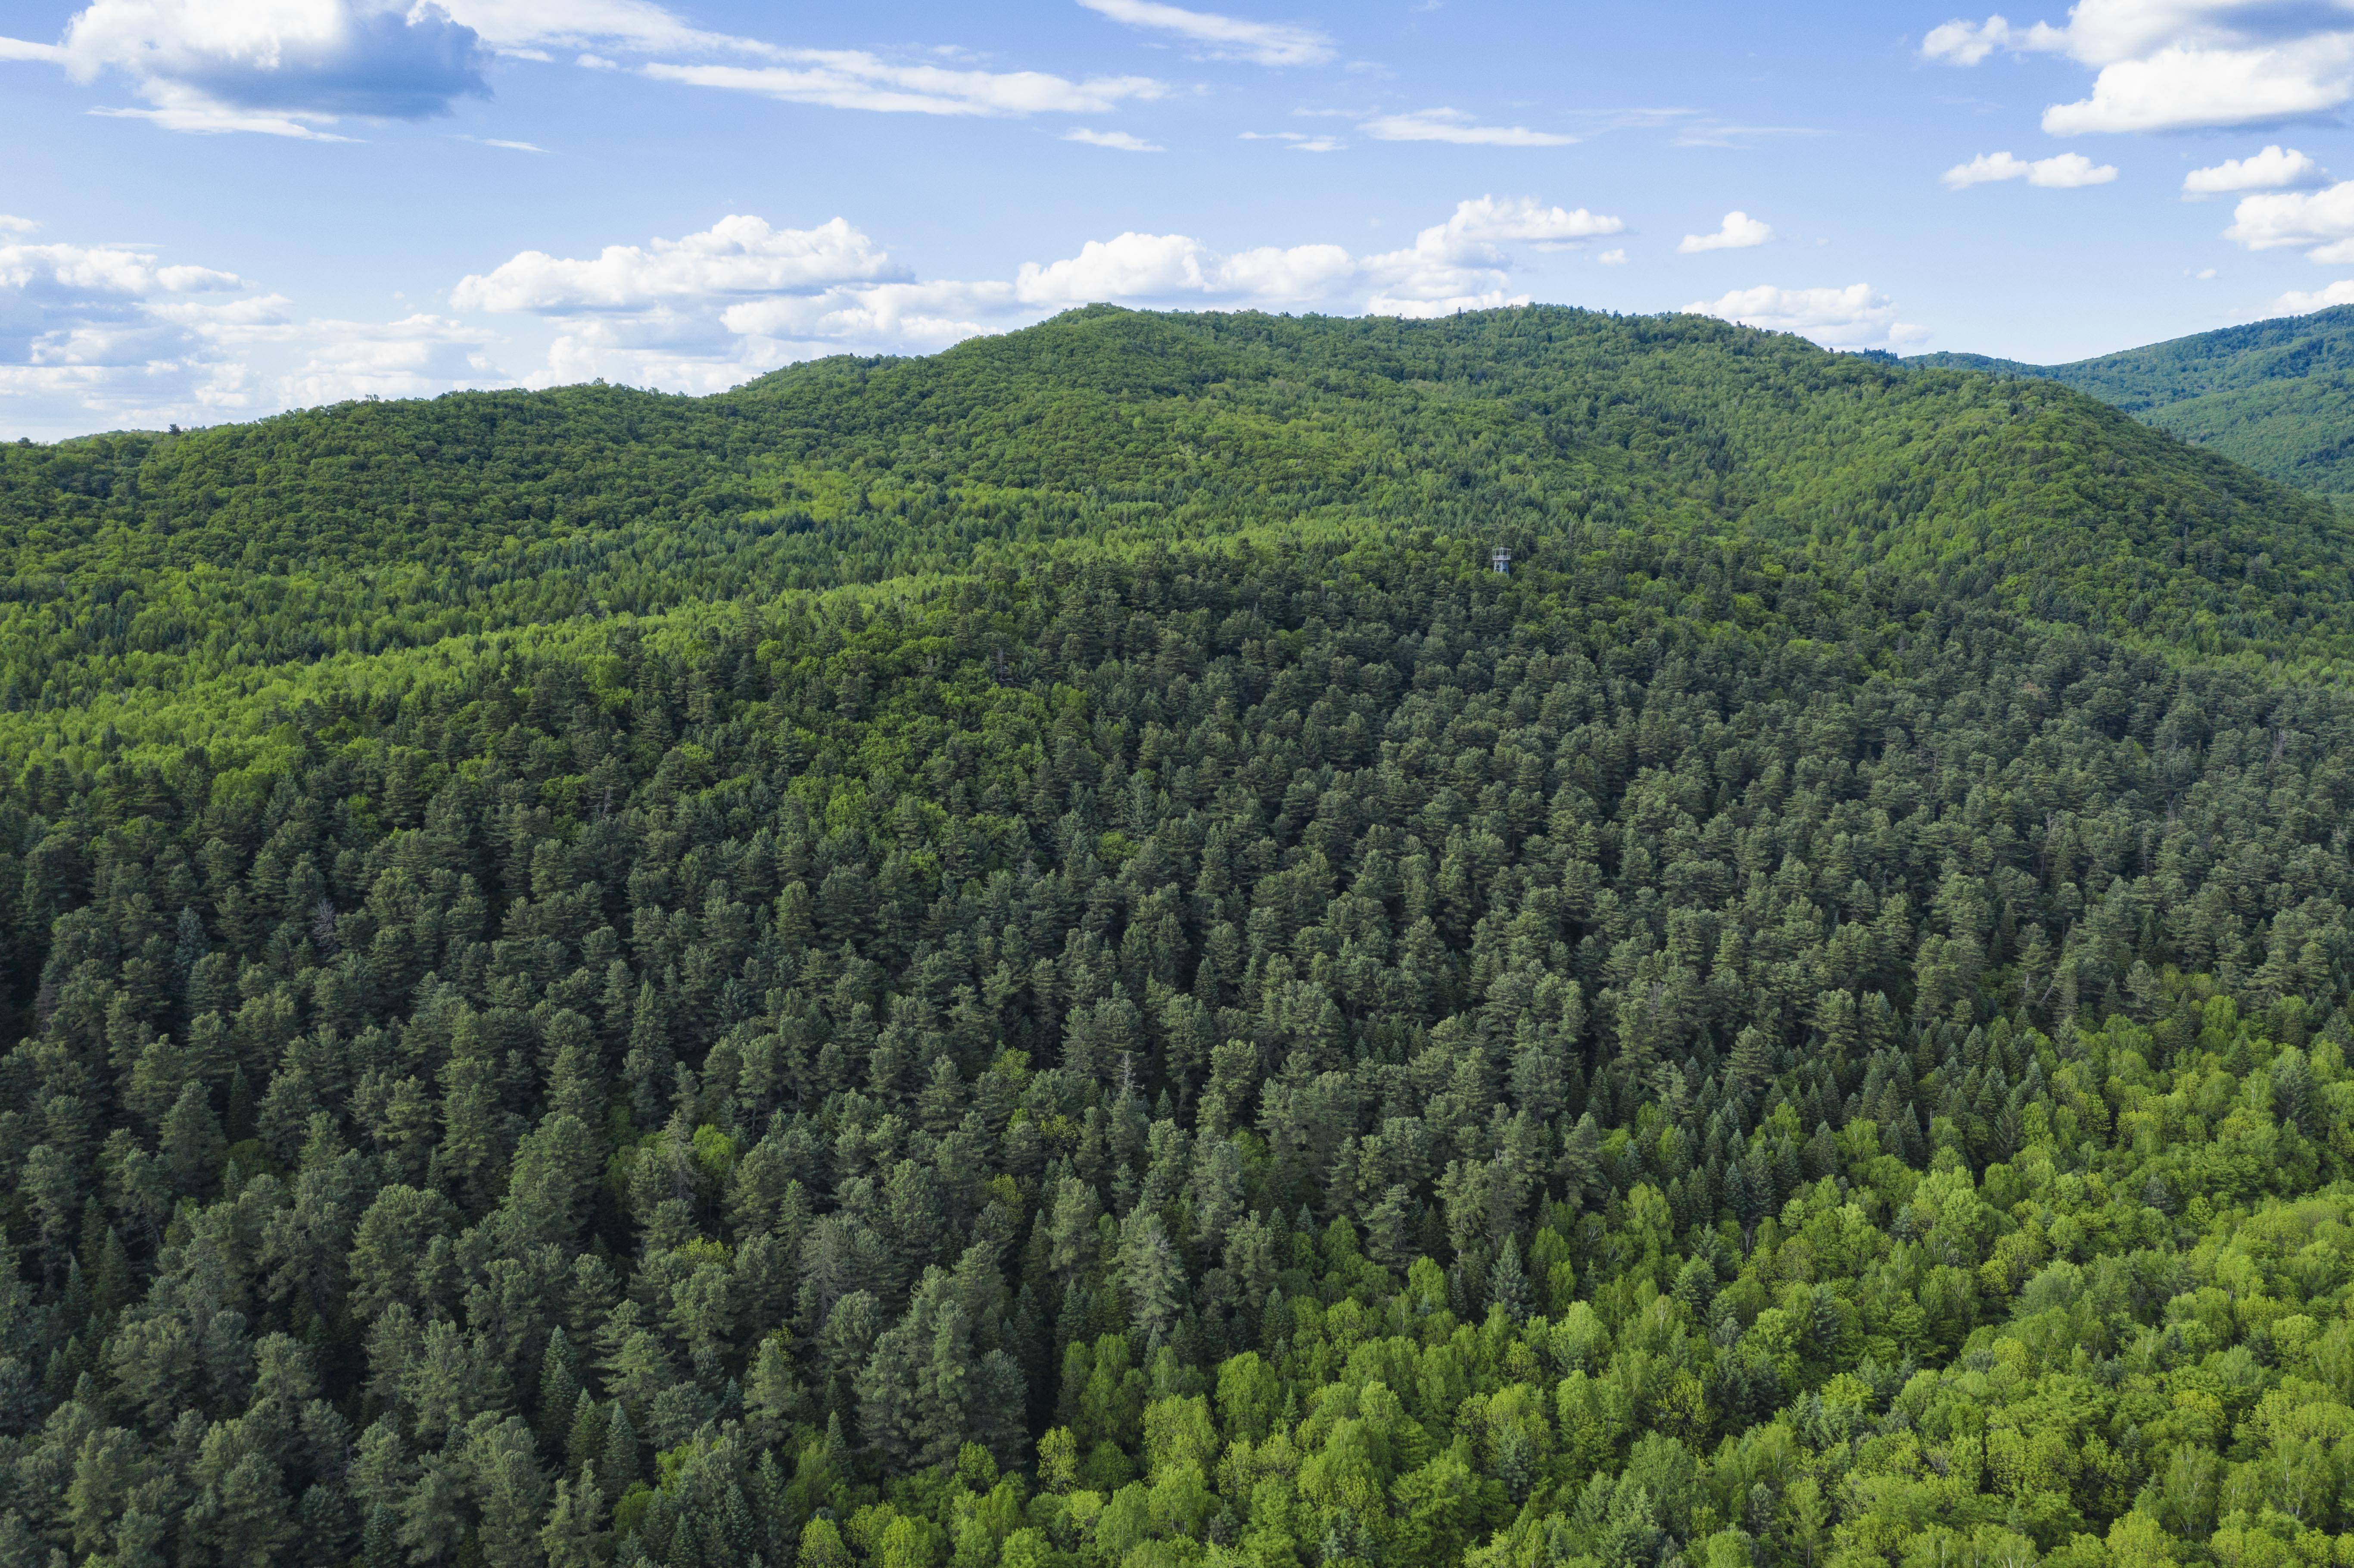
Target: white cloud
[1454,125]
[99,335]
[1459,265]
[291,68]
[736,257]
[78,270]
[1174,266]
[1738,232]
[1857,316]
[2173,65]
[519,26]
[1967,43]
[711,309]
[202,118]
[706,312]
[2182,89]
[1479,224]
[2295,303]
[1297,141]
[1223,37]
[852,79]
[892,314]
[418,356]
[2068,171]
[1612,258]
[2273,220]
[2276,168]
[280,68]
[116,335]
[286,68]
[513,146]
[1118,140]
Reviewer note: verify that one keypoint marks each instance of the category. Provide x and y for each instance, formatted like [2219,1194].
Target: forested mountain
[1025,960]
[2277,396]
[235,561]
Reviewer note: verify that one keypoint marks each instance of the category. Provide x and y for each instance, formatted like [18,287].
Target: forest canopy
[1026,960]
[2275,394]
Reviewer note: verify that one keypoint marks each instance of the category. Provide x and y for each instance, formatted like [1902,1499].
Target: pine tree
[1508,1288]
[1150,1275]
[647,1067]
[192,1145]
[380,1539]
[1388,1229]
[584,1440]
[1581,1159]
[559,1392]
[617,1466]
[773,1393]
[572,1537]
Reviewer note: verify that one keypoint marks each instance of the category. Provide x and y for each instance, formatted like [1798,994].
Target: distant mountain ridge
[2277,396]
[153,564]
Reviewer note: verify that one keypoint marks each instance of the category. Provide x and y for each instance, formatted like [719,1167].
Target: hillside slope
[249,554]
[1170,1017]
[2277,396]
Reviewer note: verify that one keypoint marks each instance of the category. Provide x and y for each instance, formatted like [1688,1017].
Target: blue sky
[216,209]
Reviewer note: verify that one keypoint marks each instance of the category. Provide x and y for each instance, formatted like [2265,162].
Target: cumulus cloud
[1175,267]
[1967,43]
[1118,141]
[2295,303]
[1480,225]
[418,356]
[112,325]
[1459,265]
[2179,89]
[1857,316]
[1738,232]
[2173,65]
[1454,125]
[1222,37]
[2068,171]
[293,68]
[735,256]
[116,335]
[2322,220]
[709,310]
[2276,168]
[706,311]
[95,335]
[285,68]
[82,270]
[1612,258]
[895,316]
